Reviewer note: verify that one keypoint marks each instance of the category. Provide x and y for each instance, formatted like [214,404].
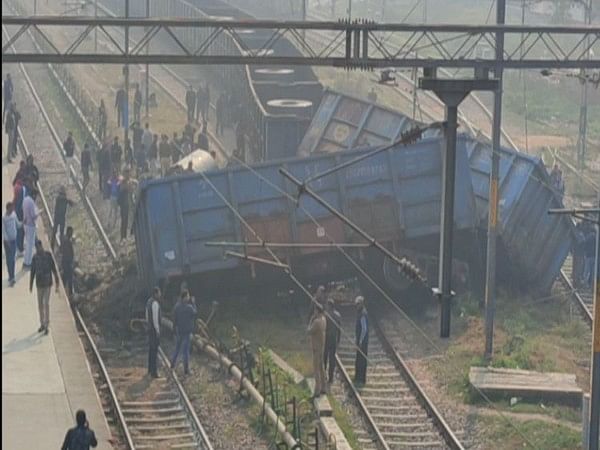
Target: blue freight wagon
[533,244]
[395,195]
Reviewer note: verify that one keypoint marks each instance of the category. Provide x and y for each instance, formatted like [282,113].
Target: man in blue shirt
[184,320]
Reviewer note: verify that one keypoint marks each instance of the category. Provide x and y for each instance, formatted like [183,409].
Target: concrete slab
[283,365]
[323,406]
[45,379]
[333,433]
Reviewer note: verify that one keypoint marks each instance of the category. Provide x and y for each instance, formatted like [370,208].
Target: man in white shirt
[10,223]
[30,215]
[153,323]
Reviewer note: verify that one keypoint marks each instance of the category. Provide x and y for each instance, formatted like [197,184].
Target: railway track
[394,406]
[150,417]
[583,297]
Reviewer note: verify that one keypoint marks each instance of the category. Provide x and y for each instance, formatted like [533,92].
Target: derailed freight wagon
[395,196]
[532,244]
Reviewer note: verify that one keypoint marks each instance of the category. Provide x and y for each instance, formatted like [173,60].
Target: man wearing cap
[332,337]
[42,270]
[362,341]
[316,330]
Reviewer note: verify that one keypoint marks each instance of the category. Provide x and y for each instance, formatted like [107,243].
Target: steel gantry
[359,44]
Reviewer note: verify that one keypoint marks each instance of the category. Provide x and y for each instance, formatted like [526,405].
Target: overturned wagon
[395,196]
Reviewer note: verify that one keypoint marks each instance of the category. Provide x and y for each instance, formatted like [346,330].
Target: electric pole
[582,135]
[147,87]
[126,74]
[593,437]
[490,266]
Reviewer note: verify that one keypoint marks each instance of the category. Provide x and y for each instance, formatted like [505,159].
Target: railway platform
[45,379]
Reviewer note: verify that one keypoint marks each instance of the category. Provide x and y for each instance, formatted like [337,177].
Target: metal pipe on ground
[234,371]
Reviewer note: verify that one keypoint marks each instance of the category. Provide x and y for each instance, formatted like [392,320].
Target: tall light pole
[582,135]
[490,266]
[147,87]
[95,28]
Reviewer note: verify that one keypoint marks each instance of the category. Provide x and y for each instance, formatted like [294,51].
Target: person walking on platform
[316,330]
[30,215]
[67,260]
[332,337]
[184,320]
[61,204]
[8,91]
[137,103]
[101,121]
[220,113]
[69,148]
[10,225]
[86,164]
[12,130]
[42,270]
[80,437]
[20,192]
[153,323]
[190,101]
[121,104]
[362,342]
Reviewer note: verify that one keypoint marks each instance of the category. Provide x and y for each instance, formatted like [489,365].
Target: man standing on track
[190,101]
[69,148]
[362,342]
[101,121]
[86,164]
[8,95]
[67,254]
[103,161]
[30,215]
[120,104]
[316,330]
[164,152]
[137,104]
[332,337]
[60,214]
[153,323]
[10,224]
[184,320]
[42,269]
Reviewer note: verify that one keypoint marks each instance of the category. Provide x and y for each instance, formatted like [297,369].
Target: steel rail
[361,404]
[112,393]
[583,308]
[418,391]
[187,404]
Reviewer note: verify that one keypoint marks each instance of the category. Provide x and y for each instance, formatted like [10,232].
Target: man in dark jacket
[203,138]
[120,104]
[86,164]
[31,171]
[362,342]
[116,155]
[153,323]
[60,214]
[184,320]
[67,260]
[190,101]
[103,161]
[80,437]
[137,103]
[332,337]
[42,270]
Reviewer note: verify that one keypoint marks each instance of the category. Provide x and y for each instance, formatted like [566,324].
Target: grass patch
[538,433]
[343,422]
[271,322]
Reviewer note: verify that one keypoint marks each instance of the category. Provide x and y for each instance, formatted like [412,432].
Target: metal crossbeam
[352,45]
